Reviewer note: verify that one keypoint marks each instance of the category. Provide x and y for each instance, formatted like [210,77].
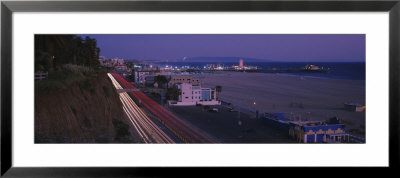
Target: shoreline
[303,97]
[329,78]
[281,74]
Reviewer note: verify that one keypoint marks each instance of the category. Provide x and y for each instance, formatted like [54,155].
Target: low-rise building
[117,61]
[179,79]
[140,77]
[190,95]
[110,62]
[121,68]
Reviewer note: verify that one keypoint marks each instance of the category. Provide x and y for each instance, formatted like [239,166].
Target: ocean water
[337,70]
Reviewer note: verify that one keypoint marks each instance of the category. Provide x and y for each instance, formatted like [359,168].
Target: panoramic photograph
[200,88]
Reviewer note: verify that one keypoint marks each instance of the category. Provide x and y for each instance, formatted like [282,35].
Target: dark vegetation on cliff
[77,102]
[53,51]
[86,111]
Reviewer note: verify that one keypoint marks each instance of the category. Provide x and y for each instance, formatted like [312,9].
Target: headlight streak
[183,130]
[143,125]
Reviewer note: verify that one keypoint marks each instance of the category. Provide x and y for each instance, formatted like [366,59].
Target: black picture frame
[8,7]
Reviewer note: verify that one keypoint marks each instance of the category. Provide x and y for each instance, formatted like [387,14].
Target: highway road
[182,129]
[143,125]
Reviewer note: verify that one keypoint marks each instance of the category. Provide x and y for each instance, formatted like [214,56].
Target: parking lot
[231,127]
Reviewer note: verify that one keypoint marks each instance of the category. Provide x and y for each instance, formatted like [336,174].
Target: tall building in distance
[241,63]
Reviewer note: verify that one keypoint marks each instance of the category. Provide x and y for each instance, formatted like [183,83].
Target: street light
[239,121]
[254,104]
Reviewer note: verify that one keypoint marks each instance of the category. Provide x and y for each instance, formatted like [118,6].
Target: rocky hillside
[88,111]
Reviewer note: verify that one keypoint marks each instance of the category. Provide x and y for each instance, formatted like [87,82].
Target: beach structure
[241,63]
[241,67]
[191,95]
[209,66]
[330,131]
[314,68]
[356,107]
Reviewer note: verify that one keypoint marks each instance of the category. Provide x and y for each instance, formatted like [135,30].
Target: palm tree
[218,88]
[160,80]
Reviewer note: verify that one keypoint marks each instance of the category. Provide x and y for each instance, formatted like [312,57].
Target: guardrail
[41,75]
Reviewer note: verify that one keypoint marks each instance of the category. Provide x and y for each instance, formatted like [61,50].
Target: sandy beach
[308,97]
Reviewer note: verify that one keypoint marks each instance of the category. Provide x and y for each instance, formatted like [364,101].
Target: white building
[140,76]
[191,95]
[110,62]
[117,61]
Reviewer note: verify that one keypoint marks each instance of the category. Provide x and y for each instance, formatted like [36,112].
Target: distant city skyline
[273,47]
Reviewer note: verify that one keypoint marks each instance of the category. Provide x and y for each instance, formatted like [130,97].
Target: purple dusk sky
[296,47]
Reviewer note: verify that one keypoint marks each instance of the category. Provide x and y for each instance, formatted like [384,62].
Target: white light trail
[144,126]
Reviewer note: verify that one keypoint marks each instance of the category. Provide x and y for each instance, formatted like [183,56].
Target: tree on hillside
[52,51]
[77,49]
[49,50]
[91,52]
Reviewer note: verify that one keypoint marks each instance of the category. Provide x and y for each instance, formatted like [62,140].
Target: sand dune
[308,97]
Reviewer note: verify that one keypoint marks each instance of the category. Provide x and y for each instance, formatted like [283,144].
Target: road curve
[183,130]
[143,125]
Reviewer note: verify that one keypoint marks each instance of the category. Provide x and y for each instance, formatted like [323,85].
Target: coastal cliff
[84,111]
